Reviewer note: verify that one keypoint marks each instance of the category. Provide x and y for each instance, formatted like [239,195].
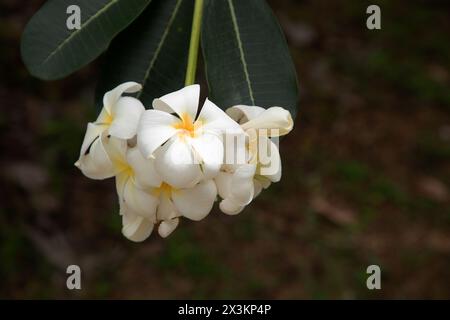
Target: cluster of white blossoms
[173,161]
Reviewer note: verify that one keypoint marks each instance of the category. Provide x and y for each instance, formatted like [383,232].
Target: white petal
[275,118]
[223,183]
[242,113]
[139,201]
[242,189]
[228,206]
[269,159]
[167,227]
[145,175]
[184,101]
[94,161]
[237,189]
[235,149]
[126,113]
[93,131]
[116,150]
[166,209]
[104,119]
[111,97]
[209,148]
[196,203]
[155,128]
[121,182]
[215,120]
[135,227]
[176,163]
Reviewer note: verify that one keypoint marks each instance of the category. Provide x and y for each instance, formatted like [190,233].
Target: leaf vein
[160,45]
[241,49]
[73,34]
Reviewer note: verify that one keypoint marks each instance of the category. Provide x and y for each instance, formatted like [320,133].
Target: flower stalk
[194,44]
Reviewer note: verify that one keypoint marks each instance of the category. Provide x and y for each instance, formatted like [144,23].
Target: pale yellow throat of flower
[165,190]
[123,167]
[188,127]
[127,172]
[105,118]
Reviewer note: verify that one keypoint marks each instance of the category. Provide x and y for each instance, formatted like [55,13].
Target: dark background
[366,175]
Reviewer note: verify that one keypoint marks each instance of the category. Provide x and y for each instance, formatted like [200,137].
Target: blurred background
[366,175]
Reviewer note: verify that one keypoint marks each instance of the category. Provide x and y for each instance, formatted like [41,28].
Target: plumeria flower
[110,156]
[118,118]
[187,148]
[145,200]
[169,162]
[135,176]
[193,203]
[238,184]
[94,160]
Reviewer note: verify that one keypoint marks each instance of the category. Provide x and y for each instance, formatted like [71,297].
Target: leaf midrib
[241,49]
[73,34]
[160,45]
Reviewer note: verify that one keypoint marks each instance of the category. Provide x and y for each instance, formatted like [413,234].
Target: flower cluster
[173,160]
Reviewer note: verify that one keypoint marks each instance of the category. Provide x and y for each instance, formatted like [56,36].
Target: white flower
[146,200]
[187,149]
[236,187]
[108,156]
[276,119]
[169,162]
[239,184]
[119,118]
[94,160]
[134,179]
[193,203]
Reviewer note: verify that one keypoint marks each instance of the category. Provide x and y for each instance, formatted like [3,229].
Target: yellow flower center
[108,119]
[187,125]
[164,189]
[129,171]
[123,167]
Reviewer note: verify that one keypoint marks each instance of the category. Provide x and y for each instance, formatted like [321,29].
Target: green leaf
[246,56]
[152,51]
[51,51]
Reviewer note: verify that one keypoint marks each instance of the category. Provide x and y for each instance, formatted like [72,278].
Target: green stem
[195,41]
